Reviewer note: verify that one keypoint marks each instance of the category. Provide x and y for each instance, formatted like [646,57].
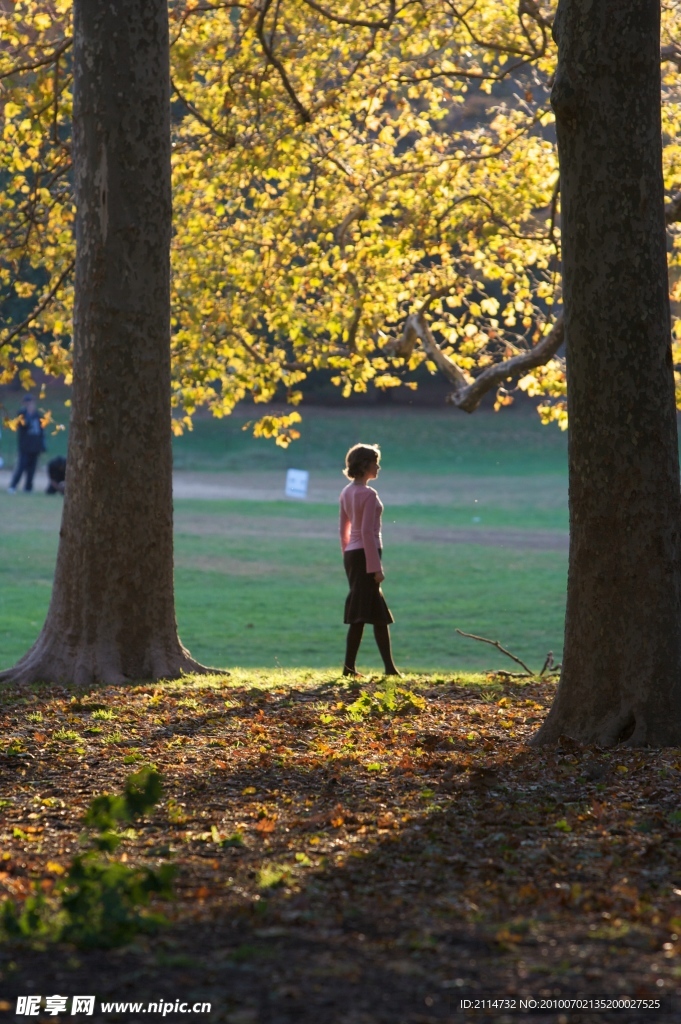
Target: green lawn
[439,441]
[283,604]
[261,584]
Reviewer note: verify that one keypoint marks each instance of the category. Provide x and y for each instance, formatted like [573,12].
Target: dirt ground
[337,867]
[395,489]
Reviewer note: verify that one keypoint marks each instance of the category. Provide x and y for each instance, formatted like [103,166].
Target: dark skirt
[365,602]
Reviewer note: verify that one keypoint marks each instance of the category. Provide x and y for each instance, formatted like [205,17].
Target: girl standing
[360,536]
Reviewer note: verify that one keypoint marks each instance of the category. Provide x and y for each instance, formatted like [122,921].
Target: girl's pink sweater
[360,523]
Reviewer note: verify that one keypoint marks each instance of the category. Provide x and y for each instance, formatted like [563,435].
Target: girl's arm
[345,527]
[368,533]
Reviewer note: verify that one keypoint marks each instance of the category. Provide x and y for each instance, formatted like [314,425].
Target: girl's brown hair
[359,459]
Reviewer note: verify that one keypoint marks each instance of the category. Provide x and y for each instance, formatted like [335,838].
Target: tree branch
[304,114]
[354,22]
[262,361]
[356,213]
[468,393]
[45,301]
[495,643]
[229,140]
[38,63]
[671,53]
[469,397]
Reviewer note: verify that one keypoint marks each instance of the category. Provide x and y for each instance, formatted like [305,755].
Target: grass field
[439,441]
[261,583]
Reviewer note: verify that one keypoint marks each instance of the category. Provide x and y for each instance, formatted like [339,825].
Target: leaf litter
[354,854]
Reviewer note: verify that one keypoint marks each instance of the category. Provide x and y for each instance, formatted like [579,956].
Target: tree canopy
[358,188]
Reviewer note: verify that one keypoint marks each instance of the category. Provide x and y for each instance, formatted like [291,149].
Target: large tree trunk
[621,678]
[112,613]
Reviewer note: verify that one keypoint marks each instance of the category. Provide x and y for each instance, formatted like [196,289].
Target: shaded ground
[348,862]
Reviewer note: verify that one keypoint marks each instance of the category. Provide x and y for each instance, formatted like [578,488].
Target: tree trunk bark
[112,614]
[621,678]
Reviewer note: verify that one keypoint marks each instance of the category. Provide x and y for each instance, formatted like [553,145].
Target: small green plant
[99,902]
[35,716]
[65,735]
[114,737]
[270,876]
[176,812]
[391,700]
[104,714]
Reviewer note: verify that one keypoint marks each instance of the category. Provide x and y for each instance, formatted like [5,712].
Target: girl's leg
[351,648]
[382,635]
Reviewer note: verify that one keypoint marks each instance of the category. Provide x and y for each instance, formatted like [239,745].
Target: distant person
[30,442]
[360,536]
[56,475]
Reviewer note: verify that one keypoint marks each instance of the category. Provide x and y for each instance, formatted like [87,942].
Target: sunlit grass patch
[114,738]
[65,735]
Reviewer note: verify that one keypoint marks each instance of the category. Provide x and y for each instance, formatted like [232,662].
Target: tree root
[84,665]
[628,727]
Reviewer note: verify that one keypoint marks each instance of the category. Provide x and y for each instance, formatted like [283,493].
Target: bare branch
[548,664]
[495,643]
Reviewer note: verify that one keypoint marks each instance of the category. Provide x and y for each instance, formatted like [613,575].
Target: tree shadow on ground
[314,887]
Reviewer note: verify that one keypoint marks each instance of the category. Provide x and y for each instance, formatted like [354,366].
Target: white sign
[296,483]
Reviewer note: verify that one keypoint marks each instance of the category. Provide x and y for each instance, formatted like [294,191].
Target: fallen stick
[495,643]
